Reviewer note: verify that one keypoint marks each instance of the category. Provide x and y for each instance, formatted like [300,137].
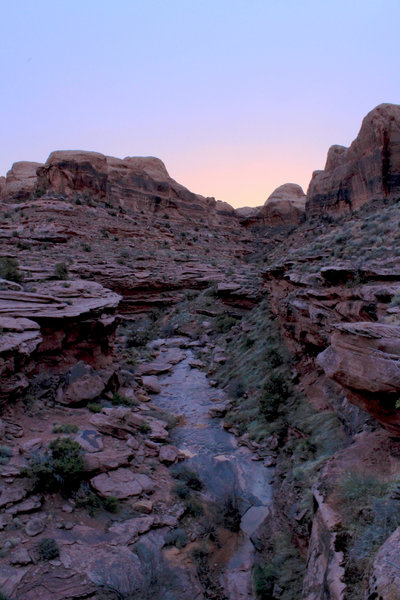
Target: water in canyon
[228,471]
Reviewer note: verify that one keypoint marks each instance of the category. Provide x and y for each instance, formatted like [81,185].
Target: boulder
[121,483]
[129,531]
[10,494]
[146,482]
[81,384]
[143,506]
[20,556]
[109,459]
[119,422]
[168,455]
[35,526]
[151,384]
[90,440]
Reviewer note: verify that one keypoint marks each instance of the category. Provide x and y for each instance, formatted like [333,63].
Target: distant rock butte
[368,170]
[138,183]
[285,206]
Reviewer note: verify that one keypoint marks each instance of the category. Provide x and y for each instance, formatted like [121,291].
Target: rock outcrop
[51,329]
[285,206]
[132,183]
[365,359]
[21,180]
[368,170]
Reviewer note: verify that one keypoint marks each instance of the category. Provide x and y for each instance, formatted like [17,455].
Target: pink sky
[235,97]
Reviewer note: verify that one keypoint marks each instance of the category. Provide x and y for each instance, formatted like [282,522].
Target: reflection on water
[224,467]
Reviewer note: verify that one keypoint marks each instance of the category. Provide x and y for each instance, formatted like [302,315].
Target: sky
[235,96]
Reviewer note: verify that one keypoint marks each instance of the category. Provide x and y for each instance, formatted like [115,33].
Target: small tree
[9,269]
[61,271]
[61,467]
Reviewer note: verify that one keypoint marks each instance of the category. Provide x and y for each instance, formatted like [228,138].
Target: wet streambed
[226,469]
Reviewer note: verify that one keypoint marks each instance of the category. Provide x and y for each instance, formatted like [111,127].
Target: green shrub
[60,468]
[264,578]
[94,407]
[274,357]
[47,549]
[85,498]
[120,400]
[370,515]
[61,271]
[223,323]
[186,475]
[182,490]
[111,504]
[145,428]
[360,487]
[275,391]
[39,193]
[9,269]
[65,428]
[137,338]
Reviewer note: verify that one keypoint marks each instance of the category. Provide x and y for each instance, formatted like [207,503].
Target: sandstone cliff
[132,183]
[367,170]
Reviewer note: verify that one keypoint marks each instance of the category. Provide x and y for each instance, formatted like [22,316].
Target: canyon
[199,401]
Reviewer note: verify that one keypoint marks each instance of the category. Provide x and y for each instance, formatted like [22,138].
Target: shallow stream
[225,468]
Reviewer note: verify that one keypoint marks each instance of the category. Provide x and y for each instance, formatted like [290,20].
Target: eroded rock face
[50,329]
[364,359]
[368,170]
[133,183]
[324,562]
[21,180]
[384,581]
[285,206]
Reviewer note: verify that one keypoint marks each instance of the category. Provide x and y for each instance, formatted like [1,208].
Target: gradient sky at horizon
[235,96]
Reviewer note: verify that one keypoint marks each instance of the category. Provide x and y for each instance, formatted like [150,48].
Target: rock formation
[132,183]
[285,206]
[21,180]
[198,285]
[368,170]
[50,330]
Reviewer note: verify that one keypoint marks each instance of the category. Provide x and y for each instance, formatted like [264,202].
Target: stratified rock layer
[132,183]
[50,330]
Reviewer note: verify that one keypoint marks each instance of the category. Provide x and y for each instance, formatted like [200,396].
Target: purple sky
[236,97]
